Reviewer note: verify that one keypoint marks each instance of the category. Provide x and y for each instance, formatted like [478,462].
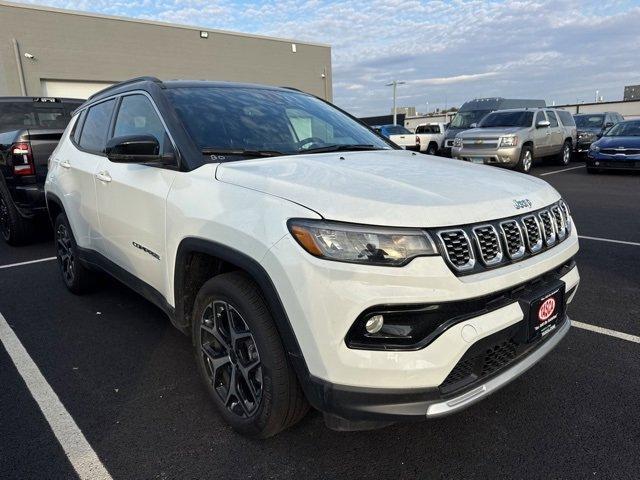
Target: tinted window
[94,131]
[540,117]
[428,129]
[397,130]
[237,118]
[566,118]
[507,119]
[14,116]
[551,116]
[136,116]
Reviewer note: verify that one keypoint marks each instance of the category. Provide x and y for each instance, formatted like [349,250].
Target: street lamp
[394,84]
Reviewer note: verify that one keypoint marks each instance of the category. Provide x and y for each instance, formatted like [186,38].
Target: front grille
[615,151]
[449,142]
[619,164]
[548,229]
[488,244]
[503,241]
[458,249]
[480,143]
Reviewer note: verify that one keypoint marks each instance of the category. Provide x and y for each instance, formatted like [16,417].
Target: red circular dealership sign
[546,309]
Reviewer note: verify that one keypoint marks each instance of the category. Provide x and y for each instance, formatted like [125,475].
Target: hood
[615,142]
[391,187]
[490,132]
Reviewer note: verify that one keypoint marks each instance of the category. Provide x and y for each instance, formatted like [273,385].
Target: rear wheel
[526,159]
[241,358]
[565,154]
[14,229]
[75,275]
[432,149]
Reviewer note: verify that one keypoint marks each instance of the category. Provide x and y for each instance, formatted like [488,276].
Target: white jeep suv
[311,261]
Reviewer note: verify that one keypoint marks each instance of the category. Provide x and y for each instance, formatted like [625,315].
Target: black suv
[30,129]
[591,126]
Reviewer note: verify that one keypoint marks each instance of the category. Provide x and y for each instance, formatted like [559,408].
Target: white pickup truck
[431,136]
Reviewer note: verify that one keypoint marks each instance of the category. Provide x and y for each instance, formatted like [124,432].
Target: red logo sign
[546,309]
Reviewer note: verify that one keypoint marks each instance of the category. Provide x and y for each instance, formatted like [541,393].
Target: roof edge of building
[156,23]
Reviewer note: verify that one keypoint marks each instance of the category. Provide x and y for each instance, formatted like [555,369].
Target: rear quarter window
[566,118]
[93,137]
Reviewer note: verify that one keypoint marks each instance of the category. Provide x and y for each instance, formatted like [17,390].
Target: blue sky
[446,51]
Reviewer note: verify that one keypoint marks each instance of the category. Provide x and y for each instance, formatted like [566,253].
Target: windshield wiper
[221,152]
[340,148]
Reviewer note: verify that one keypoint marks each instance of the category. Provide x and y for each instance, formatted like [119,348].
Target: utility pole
[394,84]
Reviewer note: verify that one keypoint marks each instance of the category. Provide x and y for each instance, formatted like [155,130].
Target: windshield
[466,119]
[19,115]
[507,119]
[260,120]
[589,121]
[624,129]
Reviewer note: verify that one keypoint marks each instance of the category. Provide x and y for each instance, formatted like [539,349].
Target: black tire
[593,170]
[241,358]
[526,159]
[565,154]
[432,149]
[14,229]
[76,276]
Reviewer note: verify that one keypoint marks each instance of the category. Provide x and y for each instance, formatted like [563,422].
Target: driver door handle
[65,164]
[103,176]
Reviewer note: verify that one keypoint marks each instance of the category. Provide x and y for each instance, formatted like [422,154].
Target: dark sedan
[618,149]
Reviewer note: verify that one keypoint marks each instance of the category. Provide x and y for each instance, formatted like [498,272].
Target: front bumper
[506,156]
[612,162]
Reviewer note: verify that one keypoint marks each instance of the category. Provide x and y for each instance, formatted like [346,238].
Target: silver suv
[514,138]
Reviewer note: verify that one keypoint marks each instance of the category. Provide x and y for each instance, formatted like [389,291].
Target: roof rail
[126,82]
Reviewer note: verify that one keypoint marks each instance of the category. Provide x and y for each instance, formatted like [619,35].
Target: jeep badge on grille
[524,203]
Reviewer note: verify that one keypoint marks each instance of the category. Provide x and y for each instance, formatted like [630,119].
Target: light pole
[394,84]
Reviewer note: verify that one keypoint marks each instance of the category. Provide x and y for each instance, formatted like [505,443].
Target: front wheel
[242,360]
[526,160]
[565,154]
[432,149]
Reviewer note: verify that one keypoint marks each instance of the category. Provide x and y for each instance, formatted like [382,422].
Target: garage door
[71,89]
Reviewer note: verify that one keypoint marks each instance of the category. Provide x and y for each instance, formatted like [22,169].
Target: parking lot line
[562,170]
[11,265]
[606,331]
[82,457]
[598,239]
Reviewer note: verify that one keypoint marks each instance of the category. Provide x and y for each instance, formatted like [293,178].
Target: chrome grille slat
[559,221]
[548,227]
[513,239]
[458,249]
[488,243]
[532,232]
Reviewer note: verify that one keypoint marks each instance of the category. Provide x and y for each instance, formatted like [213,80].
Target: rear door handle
[65,164]
[103,176]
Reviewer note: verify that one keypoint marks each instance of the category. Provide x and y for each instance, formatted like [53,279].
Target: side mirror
[543,124]
[136,149]
[608,125]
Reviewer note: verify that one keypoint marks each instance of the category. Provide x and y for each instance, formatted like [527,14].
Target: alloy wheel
[566,155]
[527,161]
[5,220]
[231,358]
[66,254]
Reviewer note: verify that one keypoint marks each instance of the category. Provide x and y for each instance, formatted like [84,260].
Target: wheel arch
[198,260]
[54,206]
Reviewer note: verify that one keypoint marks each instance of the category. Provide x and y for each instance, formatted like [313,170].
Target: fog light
[374,324]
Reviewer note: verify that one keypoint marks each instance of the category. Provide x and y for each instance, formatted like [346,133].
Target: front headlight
[352,243]
[594,148]
[457,142]
[508,141]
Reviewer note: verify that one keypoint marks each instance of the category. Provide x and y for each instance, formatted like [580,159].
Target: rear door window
[566,118]
[552,118]
[96,125]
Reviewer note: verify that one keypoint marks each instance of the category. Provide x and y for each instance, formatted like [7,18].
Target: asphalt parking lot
[128,381]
